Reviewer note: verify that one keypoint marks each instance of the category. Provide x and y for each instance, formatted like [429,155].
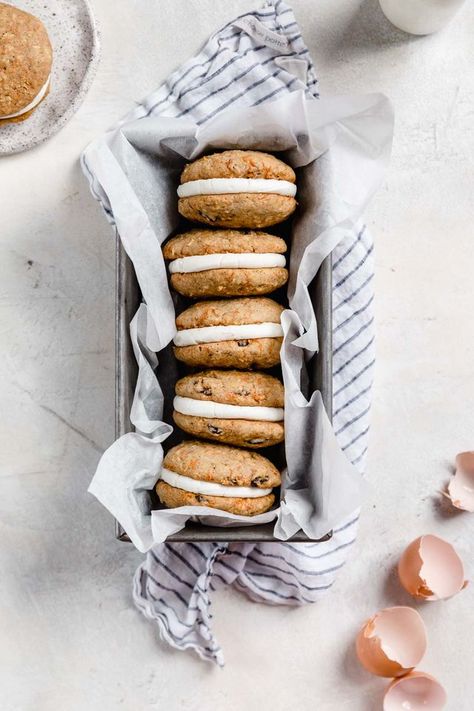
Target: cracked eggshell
[460,490]
[430,569]
[417,691]
[392,642]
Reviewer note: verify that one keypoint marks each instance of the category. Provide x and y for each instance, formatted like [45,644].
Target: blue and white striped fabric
[174,583]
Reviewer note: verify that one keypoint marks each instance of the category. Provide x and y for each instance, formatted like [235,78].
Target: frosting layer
[222,186]
[209,408]
[203,262]
[212,334]
[196,486]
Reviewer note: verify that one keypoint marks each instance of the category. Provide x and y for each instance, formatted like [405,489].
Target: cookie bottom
[172,498]
[244,354]
[251,210]
[26,115]
[243,433]
[230,282]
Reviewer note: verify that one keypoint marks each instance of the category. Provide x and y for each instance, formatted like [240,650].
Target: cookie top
[238,164]
[25,59]
[230,312]
[233,387]
[220,463]
[201,242]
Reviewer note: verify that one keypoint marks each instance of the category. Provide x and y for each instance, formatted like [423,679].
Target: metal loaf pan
[128,298]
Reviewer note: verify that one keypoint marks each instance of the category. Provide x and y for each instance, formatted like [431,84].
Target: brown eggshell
[430,569]
[417,691]
[460,490]
[409,568]
[392,642]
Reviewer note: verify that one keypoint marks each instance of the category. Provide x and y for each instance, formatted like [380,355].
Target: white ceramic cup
[420,17]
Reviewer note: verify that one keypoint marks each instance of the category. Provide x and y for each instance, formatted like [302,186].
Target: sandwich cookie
[226,263]
[245,409]
[215,475]
[233,333]
[237,189]
[26,56]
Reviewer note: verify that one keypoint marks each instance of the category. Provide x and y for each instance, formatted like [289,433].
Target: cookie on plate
[237,189]
[231,406]
[226,263]
[215,475]
[230,333]
[26,56]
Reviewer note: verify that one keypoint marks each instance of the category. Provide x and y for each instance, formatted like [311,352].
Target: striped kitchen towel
[251,60]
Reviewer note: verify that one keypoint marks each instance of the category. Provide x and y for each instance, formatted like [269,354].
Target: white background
[70,639]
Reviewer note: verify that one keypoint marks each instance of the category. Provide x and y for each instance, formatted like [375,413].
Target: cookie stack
[25,64]
[232,330]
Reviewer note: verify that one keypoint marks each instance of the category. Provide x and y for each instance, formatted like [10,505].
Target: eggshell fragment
[461,487]
[392,642]
[430,569]
[416,691]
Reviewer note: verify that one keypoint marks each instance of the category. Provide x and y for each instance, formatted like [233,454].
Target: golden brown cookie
[231,406]
[25,63]
[230,333]
[237,189]
[206,263]
[238,164]
[173,497]
[215,475]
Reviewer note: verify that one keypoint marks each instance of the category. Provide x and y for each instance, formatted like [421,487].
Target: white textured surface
[70,638]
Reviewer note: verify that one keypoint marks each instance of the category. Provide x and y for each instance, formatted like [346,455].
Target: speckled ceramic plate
[73,34]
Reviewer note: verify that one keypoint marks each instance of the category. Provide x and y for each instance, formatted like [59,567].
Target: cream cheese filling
[211,488]
[39,97]
[209,408]
[223,186]
[213,334]
[204,262]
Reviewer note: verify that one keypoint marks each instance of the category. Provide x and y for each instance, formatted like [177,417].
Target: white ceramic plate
[73,34]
